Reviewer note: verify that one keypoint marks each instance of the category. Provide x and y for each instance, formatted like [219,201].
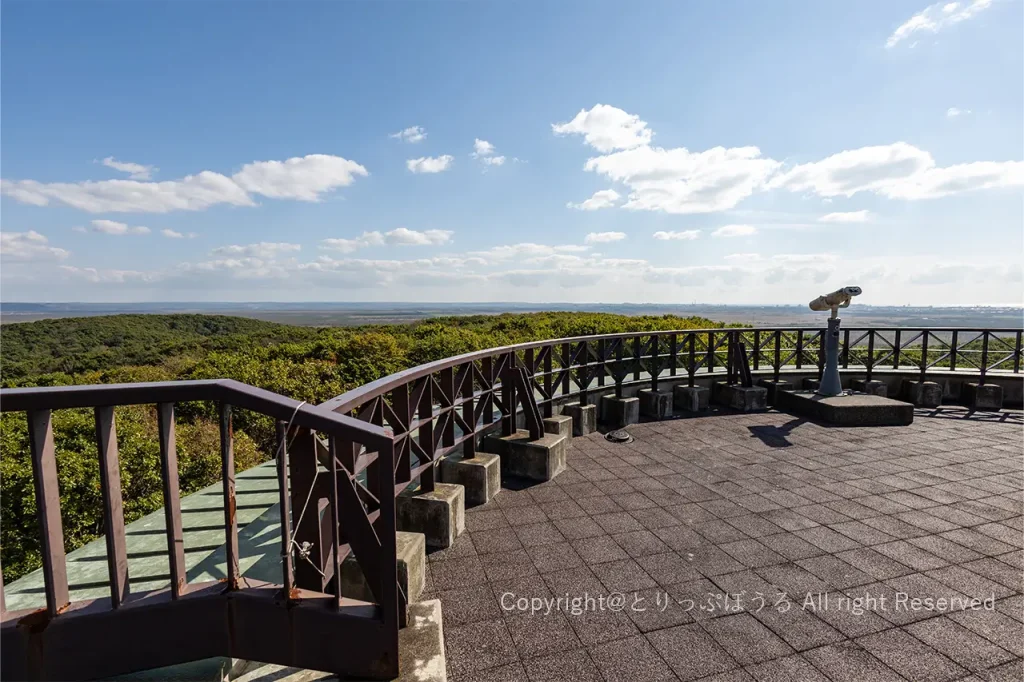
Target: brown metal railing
[443,407]
[284,623]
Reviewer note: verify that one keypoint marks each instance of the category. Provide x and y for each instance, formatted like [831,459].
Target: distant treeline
[305,363]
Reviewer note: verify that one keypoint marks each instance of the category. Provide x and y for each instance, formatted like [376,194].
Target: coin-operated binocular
[840,298]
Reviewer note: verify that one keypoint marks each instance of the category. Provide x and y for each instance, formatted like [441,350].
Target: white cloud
[427,164]
[525,250]
[482,148]
[493,160]
[604,198]
[734,231]
[29,246]
[262,250]
[174,234]
[398,237]
[896,171]
[680,181]
[953,112]
[604,237]
[685,235]
[607,128]
[305,178]
[936,17]
[136,171]
[846,217]
[79,228]
[744,257]
[413,134]
[112,227]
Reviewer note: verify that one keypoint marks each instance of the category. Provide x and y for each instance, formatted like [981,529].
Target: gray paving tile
[691,652]
[910,658]
[967,648]
[786,669]
[849,662]
[630,659]
[570,666]
[746,639]
[540,634]
[478,646]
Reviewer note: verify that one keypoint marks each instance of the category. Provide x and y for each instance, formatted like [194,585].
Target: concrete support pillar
[691,398]
[873,387]
[655,404]
[773,386]
[812,384]
[537,460]
[742,398]
[922,393]
[440,514]
[412,561]
[479,476]
[559,426]
[620,412]
[584,418]
[986,397]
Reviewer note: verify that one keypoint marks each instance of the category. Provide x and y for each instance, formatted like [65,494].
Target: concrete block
[873,387]
[537,460]
[983,396]
[620,412]
[742,398]
[691,398]
[480,476]
[584,418]
[773,386]
[560,426]
[847,410]
[922,393]
[412,561]
[440,514]
[655,404]
[811,384]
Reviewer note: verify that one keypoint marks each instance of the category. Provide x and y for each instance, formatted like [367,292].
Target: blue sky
[591,152]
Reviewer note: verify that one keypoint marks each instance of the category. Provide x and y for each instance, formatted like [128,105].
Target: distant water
[350,314]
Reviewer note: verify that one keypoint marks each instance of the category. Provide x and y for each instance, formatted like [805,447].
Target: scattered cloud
[685,235]
[526,250]
[262,250]
[744,257]
[174,234]
[846,217]
[427,164]
[937,17]
[28,247]
[413,134]
[136,171]
[953,112]
[896,171]
[304,178]
[735,231]
[606,128]
[112,227]
[493,160]
[482,148]
[604,237]
[398,237]
[604,198]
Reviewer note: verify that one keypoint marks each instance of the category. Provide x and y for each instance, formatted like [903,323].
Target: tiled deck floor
[750,504]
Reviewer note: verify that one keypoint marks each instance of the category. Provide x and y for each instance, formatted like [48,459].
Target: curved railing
[348,458]
[443,407]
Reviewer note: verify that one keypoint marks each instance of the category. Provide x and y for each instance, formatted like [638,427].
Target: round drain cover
[619,436]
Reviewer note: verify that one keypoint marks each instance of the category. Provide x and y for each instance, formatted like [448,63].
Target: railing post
[777,364]
[391,600]
[583,373]
[655,368]
[984,356]
[821,353]
[227,458]
[637,354]
[549,405]
[673,351]
[757,349]
[846,347]
[601,357]
[924,354]
[896,347]
[172,499]
[468,413]
[1016,354]
[952,352]
[691,369]
[711,353]
[800,349]
[508,395]
[113,510]
[487,370]
[620,373]
[44,476]
[870,364]
[284,507]
[303,468]
[425,413]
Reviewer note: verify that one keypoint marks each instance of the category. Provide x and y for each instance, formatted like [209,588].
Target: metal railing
[443,407]
[283,623]
[381,438]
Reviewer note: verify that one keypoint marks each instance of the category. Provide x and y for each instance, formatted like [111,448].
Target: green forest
[305,363]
